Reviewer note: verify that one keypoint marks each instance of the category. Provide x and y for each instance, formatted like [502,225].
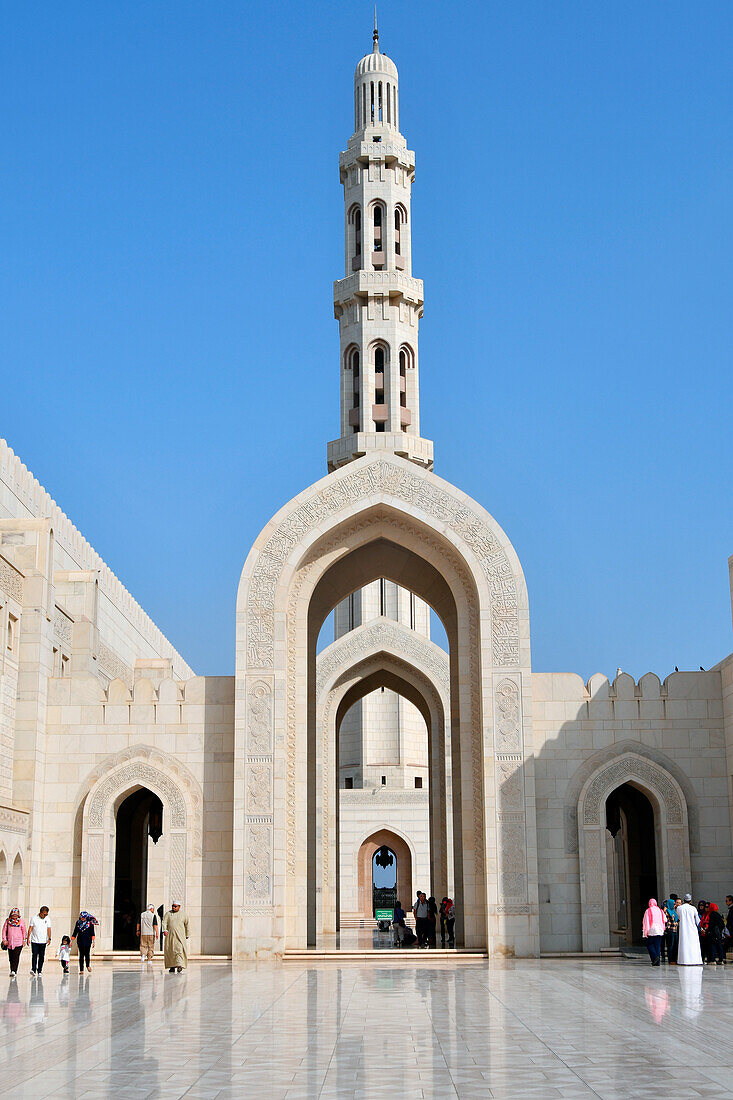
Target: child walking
[64,953]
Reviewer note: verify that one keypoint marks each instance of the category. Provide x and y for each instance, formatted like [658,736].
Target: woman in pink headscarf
[652,929]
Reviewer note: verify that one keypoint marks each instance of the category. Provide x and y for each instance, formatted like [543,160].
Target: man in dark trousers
[422,921]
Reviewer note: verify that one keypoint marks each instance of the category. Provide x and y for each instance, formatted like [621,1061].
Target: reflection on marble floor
[543,1029]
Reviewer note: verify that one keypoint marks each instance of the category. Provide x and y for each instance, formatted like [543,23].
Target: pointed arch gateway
[671,835]
[381,517]
[382,653]
[107,789]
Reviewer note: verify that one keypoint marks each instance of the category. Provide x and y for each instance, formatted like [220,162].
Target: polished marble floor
[550,1028]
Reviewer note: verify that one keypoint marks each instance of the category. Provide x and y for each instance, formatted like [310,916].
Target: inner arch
[382,557]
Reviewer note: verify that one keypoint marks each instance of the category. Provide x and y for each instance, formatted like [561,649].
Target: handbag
[4,946]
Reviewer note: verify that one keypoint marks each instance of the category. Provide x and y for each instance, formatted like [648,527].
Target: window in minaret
[377,227]
[355,222]
[389,104]
[397,223]
[371,116]
[379,376]
[363,106]
[380,100]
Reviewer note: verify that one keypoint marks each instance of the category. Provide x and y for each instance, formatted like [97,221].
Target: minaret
[378,304]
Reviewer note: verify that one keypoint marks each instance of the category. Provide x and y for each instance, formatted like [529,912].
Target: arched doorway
[628,802]
[383,654]
[631,861]
[138,873]
[378,518]
[374,869]
[126,798]
[384,880]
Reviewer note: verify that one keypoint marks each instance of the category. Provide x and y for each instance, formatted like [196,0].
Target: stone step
[407,955]
[134,956]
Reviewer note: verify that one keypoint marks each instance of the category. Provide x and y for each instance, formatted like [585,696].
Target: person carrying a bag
[13,938]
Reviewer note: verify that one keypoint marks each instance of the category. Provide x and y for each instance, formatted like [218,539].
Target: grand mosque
[276,803]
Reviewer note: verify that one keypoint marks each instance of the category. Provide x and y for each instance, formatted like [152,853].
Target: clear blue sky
[171,224]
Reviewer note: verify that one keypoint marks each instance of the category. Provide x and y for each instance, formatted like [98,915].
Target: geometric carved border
[137,772]
[146,766]
[400,483]
[631,767]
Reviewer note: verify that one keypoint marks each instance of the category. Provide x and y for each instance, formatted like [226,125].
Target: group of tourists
[686,935]
[426,913]
[37,935]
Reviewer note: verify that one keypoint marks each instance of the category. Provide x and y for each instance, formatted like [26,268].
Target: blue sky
[171,220]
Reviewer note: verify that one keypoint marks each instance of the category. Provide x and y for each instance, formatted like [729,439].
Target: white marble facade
[256,797]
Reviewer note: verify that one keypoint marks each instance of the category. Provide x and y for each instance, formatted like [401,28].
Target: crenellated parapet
[625,698]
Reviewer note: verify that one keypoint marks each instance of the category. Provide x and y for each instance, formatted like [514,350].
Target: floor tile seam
[344,1016]
[521,1022]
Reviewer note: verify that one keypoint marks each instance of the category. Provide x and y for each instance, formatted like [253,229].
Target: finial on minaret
[375,36]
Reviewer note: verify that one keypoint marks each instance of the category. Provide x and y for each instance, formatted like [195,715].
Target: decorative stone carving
[131,775]
[95,857]
[14,821]
[592,872]
[259,788]
[113,666]
[11,581]
[512,863]
[400,482]
[508,721]
[160,764]
[258,883]
[392,797]
[392,636]
[509,783]
[178,867]
[63,626]
[631,767]
[259,718]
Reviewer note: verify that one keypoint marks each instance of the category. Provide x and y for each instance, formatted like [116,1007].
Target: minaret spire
[378,303]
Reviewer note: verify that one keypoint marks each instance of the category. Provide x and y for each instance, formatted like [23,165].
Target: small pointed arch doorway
[374,855]
[633,843]
[631,861]
[120,804]
[139,864]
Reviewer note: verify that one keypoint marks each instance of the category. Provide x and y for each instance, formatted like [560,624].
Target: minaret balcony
[350,447]
[380,414]
[405,418]
[390,152]
[393,284]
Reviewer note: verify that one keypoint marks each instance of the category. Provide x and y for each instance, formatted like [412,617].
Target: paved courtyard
[554,1028]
